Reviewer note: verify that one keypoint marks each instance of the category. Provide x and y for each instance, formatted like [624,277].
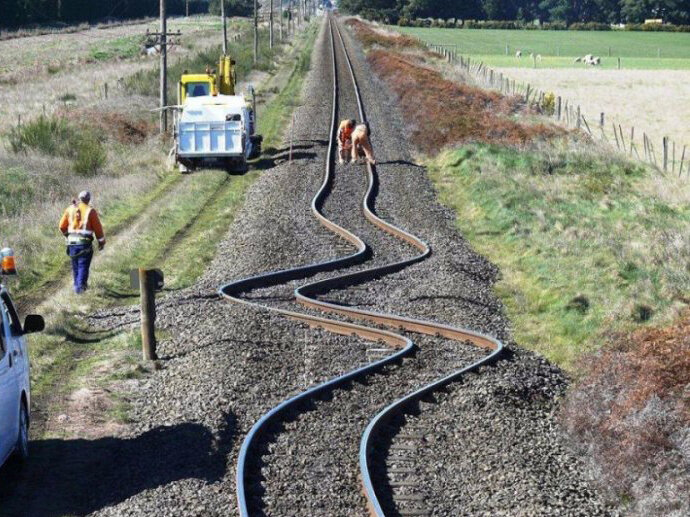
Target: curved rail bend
[306,295]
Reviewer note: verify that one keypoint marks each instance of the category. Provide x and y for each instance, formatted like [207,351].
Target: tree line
[566,11]
[18,13]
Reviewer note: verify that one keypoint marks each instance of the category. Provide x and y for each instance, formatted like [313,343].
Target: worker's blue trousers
[81,255]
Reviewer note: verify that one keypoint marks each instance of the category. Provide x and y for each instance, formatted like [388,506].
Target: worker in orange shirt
[80,225]
[345,139]
[361,145]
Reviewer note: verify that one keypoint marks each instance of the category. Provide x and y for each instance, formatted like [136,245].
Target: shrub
[54,136]
[44,134]
[493,24]
[657,27]
[555,26]
[88,155]
[589,26]
[629,414]
[549,103]
[67,97]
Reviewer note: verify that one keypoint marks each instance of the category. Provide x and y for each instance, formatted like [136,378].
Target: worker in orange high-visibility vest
[345,139]
[361,146]
[80,225]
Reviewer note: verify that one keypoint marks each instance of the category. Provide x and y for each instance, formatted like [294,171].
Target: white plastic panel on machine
[210,138]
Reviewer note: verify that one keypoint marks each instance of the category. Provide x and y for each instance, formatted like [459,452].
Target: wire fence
[667,158]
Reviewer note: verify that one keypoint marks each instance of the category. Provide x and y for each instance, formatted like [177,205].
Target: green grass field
[559,48]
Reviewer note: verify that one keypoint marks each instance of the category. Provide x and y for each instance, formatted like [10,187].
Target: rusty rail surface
[306,295]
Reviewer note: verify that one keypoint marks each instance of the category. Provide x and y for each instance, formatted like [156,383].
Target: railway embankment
[592,250]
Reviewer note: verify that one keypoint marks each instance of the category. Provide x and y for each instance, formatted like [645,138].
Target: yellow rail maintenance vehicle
[212,123]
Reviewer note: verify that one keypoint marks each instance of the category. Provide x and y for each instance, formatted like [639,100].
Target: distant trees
[568,11]
[14,13]
[232,7]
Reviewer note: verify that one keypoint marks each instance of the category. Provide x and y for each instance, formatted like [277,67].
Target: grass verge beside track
[585,243]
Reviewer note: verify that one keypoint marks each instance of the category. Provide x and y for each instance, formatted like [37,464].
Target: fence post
[578,116]
[665,142]
[148,314]
[615,133]
[587,125]
[632,137]
[558,108]
[105,90]
[653,153]
[619,63]
[682,159]
[673,156]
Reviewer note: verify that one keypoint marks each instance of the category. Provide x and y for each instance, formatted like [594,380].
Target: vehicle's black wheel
[257,141]
[22,449]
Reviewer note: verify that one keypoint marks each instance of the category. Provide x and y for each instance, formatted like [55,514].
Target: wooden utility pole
[280,15]
[225,28]
[289,18]
[256,31]
[164,70]
[186,8]
[270,25]
[148,314]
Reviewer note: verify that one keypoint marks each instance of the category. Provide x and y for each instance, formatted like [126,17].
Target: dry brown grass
[370,37]
[630,414]
[440,112]
[649,100]
[123,127]
[38,56]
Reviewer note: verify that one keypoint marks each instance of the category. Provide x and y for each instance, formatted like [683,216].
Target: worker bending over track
[361,145]
[345,140]
[79,224]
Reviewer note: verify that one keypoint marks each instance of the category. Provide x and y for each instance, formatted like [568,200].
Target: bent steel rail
[306,295]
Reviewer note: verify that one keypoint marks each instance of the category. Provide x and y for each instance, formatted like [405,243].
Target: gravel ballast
[226,364]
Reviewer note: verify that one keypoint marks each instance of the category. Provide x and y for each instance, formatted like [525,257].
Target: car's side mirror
[33,323]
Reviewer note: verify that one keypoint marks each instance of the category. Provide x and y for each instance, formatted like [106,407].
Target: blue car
[15,393]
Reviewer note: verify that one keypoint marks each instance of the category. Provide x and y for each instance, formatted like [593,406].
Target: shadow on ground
[300,151]
[77,477]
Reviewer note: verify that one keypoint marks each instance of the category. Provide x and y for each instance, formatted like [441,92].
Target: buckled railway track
[378,497]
